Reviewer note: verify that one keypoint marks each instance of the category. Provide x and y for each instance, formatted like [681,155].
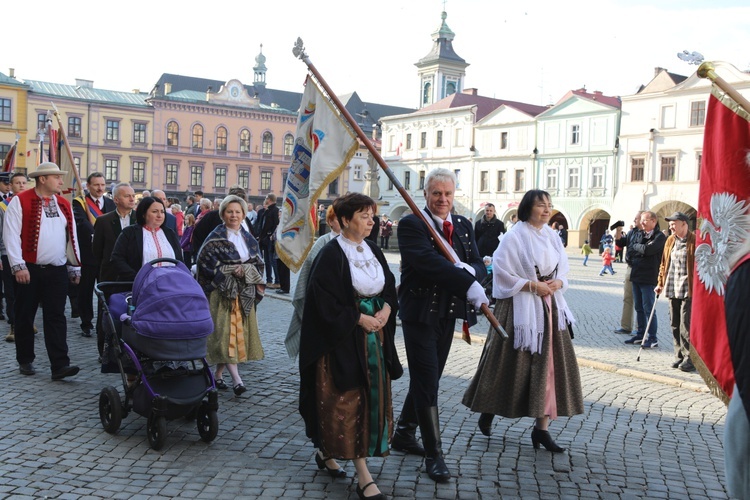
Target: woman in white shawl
[534,373]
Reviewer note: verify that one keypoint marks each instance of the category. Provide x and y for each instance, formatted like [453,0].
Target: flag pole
[299,52]
[707,70]
[79,186]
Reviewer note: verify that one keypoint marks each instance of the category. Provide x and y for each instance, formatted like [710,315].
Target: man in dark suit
[86,210]
[106,231]
[267,222]
[433,293]
[171,220]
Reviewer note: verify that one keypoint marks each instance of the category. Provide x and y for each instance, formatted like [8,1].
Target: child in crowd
[607,259]
[586,251]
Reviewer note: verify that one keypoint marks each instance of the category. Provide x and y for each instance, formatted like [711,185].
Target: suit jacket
[170,221]
[127,256]
[269,223]
[85,229]
[432,287]
[106,231]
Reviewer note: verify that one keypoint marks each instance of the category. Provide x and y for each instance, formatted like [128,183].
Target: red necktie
[448,232]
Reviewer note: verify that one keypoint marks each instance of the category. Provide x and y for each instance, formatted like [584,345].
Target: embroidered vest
[31,205]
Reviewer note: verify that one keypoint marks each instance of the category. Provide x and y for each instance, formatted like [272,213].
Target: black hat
[677,216]
[5,177]
[617,224]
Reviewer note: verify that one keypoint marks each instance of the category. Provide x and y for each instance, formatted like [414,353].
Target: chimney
[167,88]
[470,91]
[208,93]
[80,82]
[658,70]
[12,73]
[136,91]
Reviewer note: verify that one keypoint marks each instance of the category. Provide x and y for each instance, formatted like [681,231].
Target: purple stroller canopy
[169,303]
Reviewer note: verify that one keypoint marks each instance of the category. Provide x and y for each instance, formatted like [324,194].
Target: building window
[4,148]
[5,110]
[284,177]
[111,166]
[551,178]
[390,184]
[407,180]
[421,179]
[74,127]
[357,172]
[450,88]
[196,176]
[220,177]
[427,93]
[597,176]
[423,140]
[265,180]
[408,141]
[267,144]
[113,130]
[221,140]
[699,164]
[667,116]
[245,141]
[171,169]
[288,144]
[519,181]
[243,179]
[333,187]
[139,133]
[503,140]
[457,172]
[697,113]
[636,169]
[484,180]
[439,139]
[667,168]
[41,122]
[458,139]
[575,134]
[77,163]
[501,186]
[139,171]
[197,137]
[574,178]
[173,134]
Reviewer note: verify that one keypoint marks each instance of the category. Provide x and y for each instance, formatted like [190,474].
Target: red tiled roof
[485,105]
[596,96]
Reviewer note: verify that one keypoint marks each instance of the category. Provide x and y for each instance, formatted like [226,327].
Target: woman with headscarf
[534,372]
[230,271]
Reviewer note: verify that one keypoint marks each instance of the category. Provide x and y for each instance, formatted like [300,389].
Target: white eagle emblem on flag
[728,230]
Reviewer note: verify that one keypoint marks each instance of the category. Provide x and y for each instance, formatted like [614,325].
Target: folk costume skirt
[513,383]
[356,423]
[235,338]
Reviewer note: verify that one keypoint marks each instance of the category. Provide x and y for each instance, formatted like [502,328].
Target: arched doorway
[594,224]
[667,208]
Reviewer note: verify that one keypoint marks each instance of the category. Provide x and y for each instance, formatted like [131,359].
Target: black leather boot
[485,423]
[429,424]
[405,437]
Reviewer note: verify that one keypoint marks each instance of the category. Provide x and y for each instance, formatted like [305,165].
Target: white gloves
[476,296]
[466,266]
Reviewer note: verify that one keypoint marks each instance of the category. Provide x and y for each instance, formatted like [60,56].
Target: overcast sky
[532,51]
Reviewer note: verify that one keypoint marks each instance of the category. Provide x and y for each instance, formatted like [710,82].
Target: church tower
[441,71]
[259,70]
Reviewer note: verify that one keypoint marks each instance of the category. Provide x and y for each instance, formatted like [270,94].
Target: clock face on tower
[234,91]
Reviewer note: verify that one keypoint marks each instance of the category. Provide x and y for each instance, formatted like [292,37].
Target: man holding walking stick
[644,256]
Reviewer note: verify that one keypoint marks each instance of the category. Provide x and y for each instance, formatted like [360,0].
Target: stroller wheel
[208,423]
[157,431]
[110,409]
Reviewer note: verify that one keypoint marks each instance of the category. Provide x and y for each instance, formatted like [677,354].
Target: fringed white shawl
[513,266]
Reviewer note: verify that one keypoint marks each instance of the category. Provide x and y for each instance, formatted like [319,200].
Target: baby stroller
[156,336]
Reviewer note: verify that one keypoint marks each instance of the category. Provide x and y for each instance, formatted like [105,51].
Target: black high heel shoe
[361,493]
[334,473]
[485,423]
[542,437]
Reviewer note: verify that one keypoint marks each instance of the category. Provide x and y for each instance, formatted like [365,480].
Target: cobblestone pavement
[648,431]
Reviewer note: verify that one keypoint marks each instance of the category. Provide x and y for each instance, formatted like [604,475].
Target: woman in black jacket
[146,240]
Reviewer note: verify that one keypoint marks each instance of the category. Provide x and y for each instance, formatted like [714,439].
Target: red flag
[724,191]
[9,162]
